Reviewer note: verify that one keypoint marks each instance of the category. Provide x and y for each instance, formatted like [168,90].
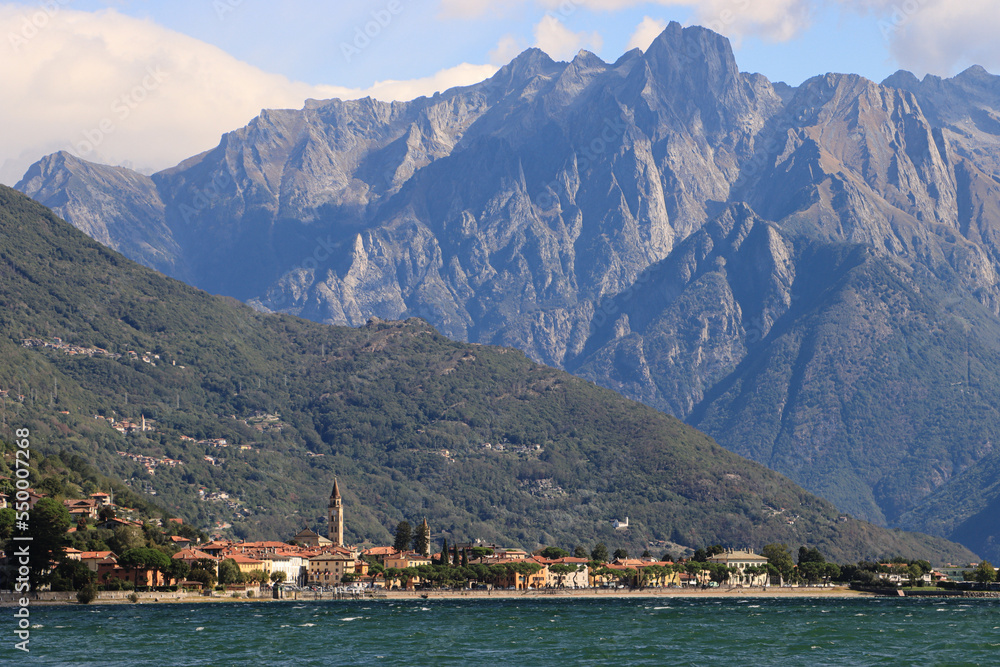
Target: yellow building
[329,569]
[247,564]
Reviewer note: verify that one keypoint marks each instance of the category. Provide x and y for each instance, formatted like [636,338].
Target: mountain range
[239,421]
[808,274]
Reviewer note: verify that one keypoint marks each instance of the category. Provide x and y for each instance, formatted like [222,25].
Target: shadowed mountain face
[479,440]
[808,274]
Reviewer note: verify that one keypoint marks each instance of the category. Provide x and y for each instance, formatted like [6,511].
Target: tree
[157,561]
[229,572]
[125,538]
[87,594]
[626,576]
[444,551]
[646,554]
[49,521]
[421,541]
[620,554]
[561,570]
[810,555]
[780,558]
[580,552]
[205,576]
[255,577]
[599,554]
[106,513]
[278,577]
[146,559]
[984,573]
[7,516]
[700,556]
[178,570]
[404,534]
[72,575]
[554,553]
[131,561]
[480,552]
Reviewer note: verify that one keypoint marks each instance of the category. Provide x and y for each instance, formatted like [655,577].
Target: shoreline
[833,592]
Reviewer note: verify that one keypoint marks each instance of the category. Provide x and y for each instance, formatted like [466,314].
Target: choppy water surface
[618,632]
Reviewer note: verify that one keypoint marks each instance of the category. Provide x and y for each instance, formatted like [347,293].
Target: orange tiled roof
[380,551]
[191,553]
[241,559]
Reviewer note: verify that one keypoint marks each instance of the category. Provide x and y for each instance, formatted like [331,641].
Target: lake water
[647,631]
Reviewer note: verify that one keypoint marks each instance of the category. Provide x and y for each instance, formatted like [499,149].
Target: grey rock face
[782,267]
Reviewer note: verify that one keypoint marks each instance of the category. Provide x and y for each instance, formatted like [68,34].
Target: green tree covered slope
[399,413]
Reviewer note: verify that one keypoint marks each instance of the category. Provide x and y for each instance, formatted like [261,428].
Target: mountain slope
[809,274]
[375,406]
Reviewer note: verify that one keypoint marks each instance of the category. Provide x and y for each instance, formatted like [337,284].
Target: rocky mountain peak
[694,53]
[757,258]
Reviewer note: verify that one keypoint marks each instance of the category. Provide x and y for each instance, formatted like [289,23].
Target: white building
[742,560]
[295,567]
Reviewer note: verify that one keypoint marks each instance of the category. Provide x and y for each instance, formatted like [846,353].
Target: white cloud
[507,49]
[118,90]
[460,75]
[466,9]
[561,43]
[941,37]
[648,30]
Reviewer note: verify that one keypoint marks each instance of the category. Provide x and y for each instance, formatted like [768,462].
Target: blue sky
[145,84]
[301,38]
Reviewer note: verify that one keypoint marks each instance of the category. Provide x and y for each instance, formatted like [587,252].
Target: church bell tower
[335,516]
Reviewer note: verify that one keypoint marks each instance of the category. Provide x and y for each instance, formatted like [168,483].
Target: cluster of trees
[139,549]
[869,573]
[984,573]
[406,536]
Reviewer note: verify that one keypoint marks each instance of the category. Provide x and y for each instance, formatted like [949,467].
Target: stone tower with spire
[335,516]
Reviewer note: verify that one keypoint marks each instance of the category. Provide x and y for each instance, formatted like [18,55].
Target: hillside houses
[151,462]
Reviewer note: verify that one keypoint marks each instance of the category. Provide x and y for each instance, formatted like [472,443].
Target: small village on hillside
[310,564]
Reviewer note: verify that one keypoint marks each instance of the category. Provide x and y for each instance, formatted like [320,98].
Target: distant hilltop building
[620,525]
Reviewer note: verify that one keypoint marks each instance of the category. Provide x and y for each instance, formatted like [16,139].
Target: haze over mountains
[810,274]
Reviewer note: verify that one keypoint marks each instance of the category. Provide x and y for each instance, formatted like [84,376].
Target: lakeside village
[171,556]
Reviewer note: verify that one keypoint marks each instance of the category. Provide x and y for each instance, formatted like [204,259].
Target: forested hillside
[399,413]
